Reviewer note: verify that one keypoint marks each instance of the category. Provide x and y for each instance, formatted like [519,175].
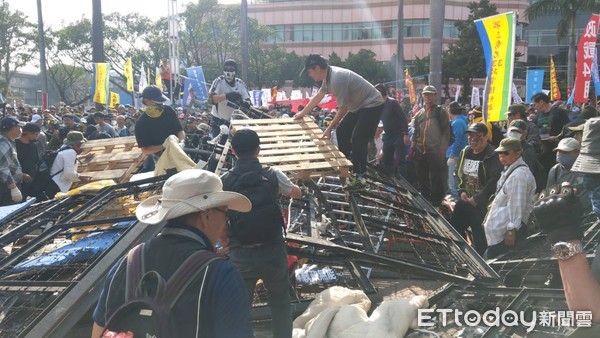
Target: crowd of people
[486,173]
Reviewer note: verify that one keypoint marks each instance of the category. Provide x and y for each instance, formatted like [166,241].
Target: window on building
[450,31]
[417,28]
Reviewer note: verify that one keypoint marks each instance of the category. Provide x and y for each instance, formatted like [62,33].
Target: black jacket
[489,172]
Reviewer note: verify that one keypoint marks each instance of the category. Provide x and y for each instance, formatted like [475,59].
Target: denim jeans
[269,263]
[452,180]
[394,154]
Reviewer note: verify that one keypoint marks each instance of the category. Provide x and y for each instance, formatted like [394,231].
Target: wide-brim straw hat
[187,192]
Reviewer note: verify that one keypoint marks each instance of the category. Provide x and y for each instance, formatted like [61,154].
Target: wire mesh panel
[43,214]
[389,218]
[59,257]
[531,264]
[477,311]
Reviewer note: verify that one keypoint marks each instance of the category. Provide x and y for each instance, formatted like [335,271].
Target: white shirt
[512,204]
[221,87]
[66,160]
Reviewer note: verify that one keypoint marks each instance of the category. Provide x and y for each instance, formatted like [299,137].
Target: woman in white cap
[194,207]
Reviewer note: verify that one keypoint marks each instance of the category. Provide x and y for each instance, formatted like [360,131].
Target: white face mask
[513,134]
[229,76]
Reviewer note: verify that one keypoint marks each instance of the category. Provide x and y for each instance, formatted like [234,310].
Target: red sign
[44,100]
[585,56]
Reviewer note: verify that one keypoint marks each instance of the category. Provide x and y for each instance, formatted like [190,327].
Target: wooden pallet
[114,159]
[296,147]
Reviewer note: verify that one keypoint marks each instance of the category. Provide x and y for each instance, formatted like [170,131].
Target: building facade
[347,26]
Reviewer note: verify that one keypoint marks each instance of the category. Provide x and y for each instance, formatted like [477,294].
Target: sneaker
[356,183]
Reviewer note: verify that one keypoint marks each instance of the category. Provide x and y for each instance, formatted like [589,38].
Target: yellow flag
[128,72]
[157,79]
[114,99]
[101,81]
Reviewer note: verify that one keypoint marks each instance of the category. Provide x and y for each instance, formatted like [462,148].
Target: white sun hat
[189,191]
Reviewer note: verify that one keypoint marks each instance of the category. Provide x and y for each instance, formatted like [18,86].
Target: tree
[366,65]
[71,84]
[17,42]
[464,59]
[567,11]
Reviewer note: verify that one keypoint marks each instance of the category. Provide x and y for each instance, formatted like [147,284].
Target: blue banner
[257,96]
[595,76]
[535,81]
[572,97]
[195,84]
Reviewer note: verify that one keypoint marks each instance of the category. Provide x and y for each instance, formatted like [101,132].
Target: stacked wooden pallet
[114,159]
[296,147]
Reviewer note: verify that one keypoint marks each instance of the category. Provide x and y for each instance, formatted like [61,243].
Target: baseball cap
[520,125]
[9,122]
[509,144]
[429,90]
[35,118]
[313,60]
[568,144]
[478,127]
[154,93]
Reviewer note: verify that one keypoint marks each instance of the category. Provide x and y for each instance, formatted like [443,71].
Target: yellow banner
[497,34]
[411,87]
[101,78]
[114,99]
[157,79]
[128,72]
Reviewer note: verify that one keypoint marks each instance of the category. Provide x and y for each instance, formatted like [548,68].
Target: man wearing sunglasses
[477,173]
[506,220]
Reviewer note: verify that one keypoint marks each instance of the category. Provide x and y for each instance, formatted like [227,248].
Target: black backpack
[264,223]
[149,315]
[45,164]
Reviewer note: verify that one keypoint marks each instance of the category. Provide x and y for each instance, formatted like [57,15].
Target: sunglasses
[229,69]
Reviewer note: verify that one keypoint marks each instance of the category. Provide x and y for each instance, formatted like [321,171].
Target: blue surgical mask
[566,160]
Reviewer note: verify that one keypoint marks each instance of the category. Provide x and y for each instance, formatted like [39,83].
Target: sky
[57,12]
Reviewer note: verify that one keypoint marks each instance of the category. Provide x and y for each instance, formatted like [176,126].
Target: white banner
[475,98]
[515,95]
[457,94]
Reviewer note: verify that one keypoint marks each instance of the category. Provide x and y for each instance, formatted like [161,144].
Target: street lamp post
[42,45]
[38,93]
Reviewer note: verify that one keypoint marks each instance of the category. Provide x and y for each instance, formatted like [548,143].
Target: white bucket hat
[187,192]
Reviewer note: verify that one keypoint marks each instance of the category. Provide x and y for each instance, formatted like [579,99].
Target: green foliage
[366,65]
[70,84]
[17,42]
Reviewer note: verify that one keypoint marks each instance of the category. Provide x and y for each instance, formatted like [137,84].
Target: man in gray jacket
[430,141]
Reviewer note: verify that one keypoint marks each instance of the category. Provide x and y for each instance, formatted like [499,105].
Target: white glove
[16,195]
[182,144]
[451,161]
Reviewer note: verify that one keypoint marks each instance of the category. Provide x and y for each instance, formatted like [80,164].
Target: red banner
[585,56]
